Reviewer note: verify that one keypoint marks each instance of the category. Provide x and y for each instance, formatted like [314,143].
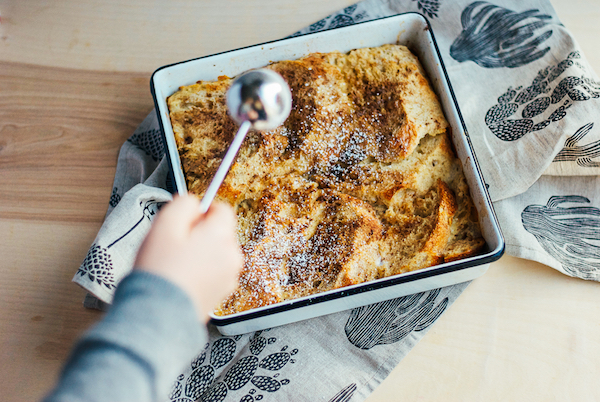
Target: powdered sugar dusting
[312,195]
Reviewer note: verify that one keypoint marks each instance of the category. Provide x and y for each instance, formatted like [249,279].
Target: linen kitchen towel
[531,104]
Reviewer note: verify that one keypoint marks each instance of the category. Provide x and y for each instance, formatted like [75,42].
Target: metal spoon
[258,99]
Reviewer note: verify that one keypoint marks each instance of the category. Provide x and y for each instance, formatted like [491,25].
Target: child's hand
[199,253]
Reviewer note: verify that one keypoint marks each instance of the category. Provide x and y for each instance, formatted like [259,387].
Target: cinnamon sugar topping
[359,183]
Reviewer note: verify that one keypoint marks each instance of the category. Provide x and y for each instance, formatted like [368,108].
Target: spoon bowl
[258,99]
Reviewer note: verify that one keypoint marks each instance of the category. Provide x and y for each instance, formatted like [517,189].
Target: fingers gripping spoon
[258,99]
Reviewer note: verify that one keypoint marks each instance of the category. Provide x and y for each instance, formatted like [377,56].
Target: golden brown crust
[361,181]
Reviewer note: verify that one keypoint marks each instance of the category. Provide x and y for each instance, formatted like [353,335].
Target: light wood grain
[582,19]
[521,332]
[60,132]
[138,36]
[42,312]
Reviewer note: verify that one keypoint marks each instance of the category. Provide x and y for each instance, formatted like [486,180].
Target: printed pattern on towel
[392,320]
[360,12]
[494,36]
[568,234]
[429,7]
[348,16]
[540,101]
[98,265]
[115,197]
[345,394]
[150,142]
[204,384]
[581,154]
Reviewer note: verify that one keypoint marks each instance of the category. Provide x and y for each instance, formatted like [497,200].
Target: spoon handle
[218,178]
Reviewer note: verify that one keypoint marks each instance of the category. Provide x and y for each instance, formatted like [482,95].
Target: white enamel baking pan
[410,29]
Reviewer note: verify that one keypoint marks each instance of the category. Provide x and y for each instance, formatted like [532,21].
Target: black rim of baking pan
[361,288]
[482,259]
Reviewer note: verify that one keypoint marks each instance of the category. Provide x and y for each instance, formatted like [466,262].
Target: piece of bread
[360,182]
[299,239]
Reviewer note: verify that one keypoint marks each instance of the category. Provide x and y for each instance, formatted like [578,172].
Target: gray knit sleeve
[148,336]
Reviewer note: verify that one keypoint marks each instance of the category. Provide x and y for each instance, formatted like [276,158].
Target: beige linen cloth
[531,104]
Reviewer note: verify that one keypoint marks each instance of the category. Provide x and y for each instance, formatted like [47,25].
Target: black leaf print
[345,394]
[539,100]
[429,7]
[150,142]
[241,372]
[197,362]
[341,20]
[494,37]
[216,393]
[581,154]
[350,9]
[569,234]
[199,381]
[222,352]
[177,388]
[275,361]
[115,198]
[348,16]
[257,344]
[98,265]
[317,26]
[267,384]
[202,383]
[392,320]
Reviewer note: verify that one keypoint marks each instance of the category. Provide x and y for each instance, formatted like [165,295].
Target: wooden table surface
[74,84]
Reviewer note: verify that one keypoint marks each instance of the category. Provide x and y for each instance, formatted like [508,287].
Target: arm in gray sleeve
[135,353]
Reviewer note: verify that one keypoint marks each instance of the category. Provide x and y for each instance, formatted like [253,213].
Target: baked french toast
[361,182]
